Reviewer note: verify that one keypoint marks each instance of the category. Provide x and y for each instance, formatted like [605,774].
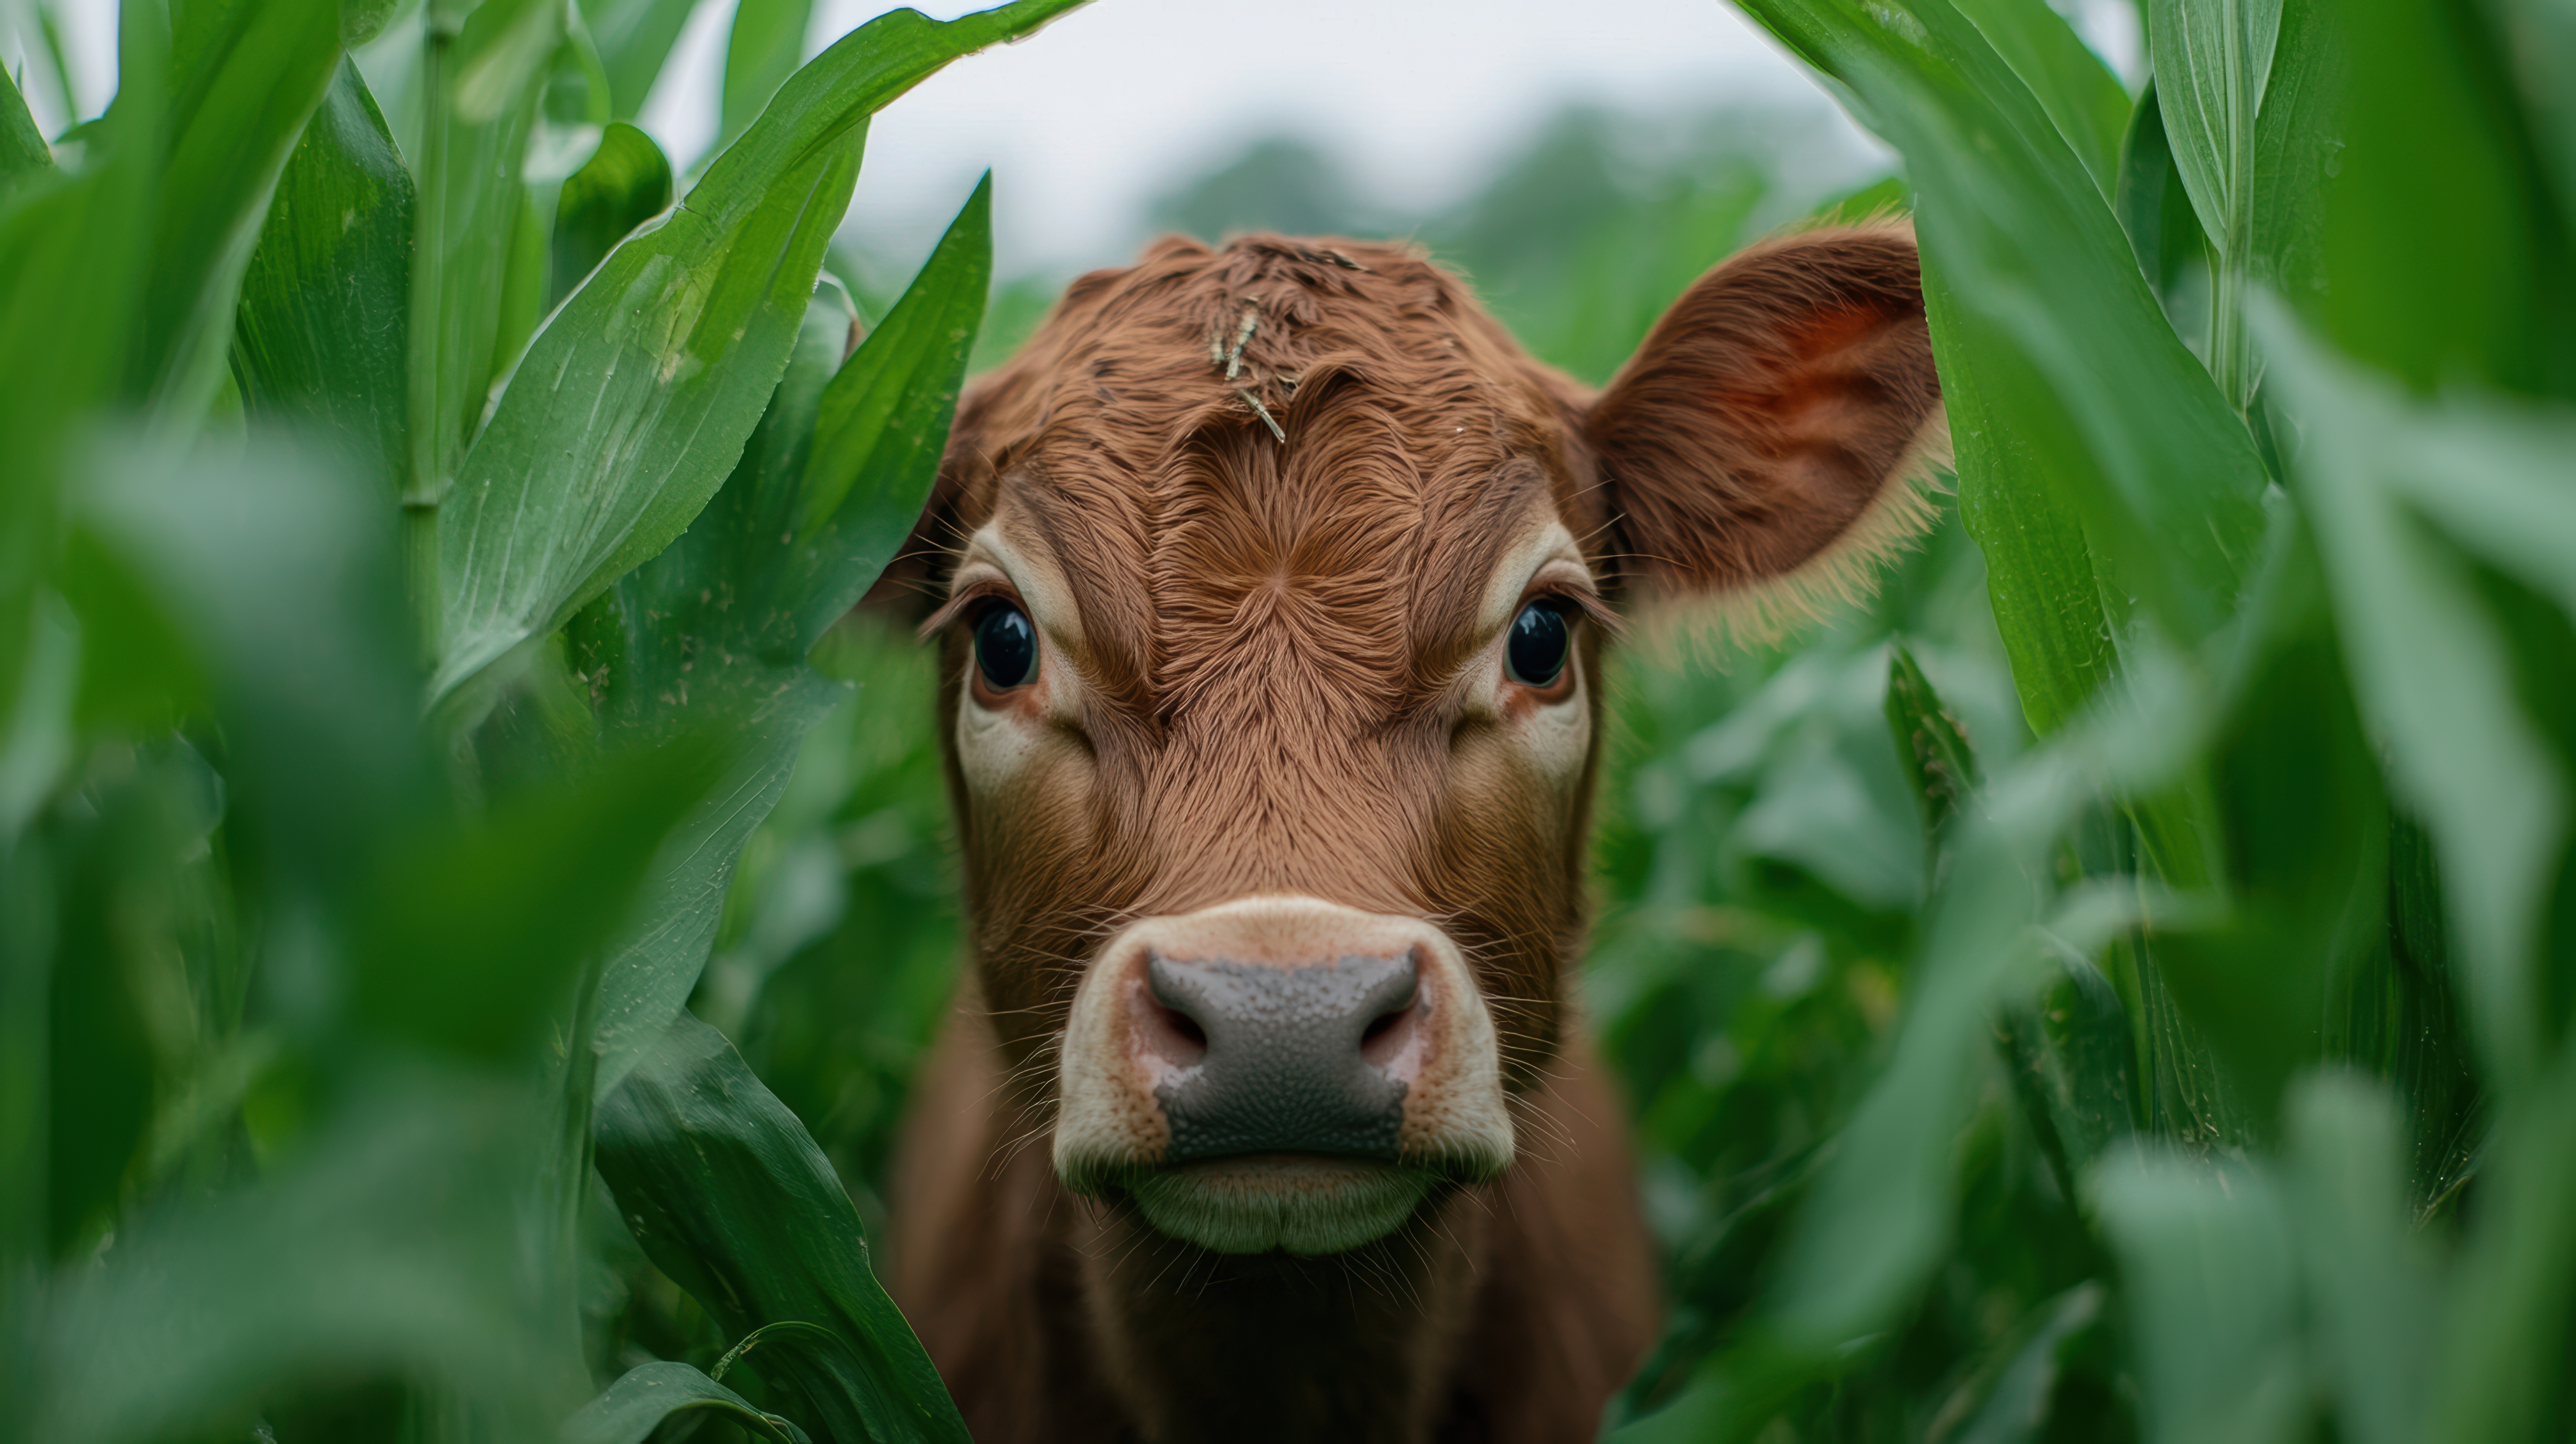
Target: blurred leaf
[625,183]
[2015,1409]
[28,892]
[325,307]
[22,146]
[628,1411]
[2081,94]
[761,51]
[2432,243]
[630,408]
[2296,794]
[1875,1226]
[727,1193]
[635,38]
[2090,377]
[2371,1276]
[2504,1330]
[388,1249]
[2207,1257]
[2427,663]
[472,934]
[2541,46]
[283,581]
[244,75]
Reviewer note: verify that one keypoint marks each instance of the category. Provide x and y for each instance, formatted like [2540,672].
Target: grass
[2115,984]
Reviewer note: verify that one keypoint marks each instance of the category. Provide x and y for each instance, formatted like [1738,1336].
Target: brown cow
[1273,582]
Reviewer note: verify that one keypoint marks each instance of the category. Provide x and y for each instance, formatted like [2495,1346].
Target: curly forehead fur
[1137,429]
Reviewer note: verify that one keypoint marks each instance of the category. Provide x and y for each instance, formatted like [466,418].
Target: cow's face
[1271,757]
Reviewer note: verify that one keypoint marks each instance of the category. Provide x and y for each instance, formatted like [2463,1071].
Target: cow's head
[1272,584]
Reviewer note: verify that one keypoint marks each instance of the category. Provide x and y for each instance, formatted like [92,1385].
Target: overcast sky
[1118,100]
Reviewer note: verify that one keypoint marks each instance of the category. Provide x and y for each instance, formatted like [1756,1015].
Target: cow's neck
[1358,1346]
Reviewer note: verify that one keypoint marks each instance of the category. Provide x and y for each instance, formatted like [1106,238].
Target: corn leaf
[761,51]
[2370,1273]
[244,76]
[2071,353]
[729,1196]
[626,182]
[22,146]
[2427,659]
[324,328]
[634,39]
[2209,1263]
[2080,92]
[633,403]
[648,1395]
[721,622]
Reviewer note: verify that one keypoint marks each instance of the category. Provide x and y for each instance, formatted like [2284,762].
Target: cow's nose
[1288,1059]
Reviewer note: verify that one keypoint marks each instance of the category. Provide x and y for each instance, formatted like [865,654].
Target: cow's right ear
[1764,443]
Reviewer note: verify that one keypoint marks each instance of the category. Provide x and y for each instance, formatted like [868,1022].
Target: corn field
[472,896]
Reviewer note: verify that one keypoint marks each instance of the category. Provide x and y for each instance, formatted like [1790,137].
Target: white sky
[1113,103]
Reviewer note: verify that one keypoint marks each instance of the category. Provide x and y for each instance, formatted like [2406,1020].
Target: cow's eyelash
[968,600]
[1582,603]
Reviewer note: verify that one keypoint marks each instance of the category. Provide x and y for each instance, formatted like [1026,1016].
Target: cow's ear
[1764,445]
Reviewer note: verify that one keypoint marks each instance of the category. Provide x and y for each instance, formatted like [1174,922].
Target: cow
[1271,584]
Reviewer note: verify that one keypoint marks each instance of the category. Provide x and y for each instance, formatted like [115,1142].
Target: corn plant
[2208,1074]
[416,528]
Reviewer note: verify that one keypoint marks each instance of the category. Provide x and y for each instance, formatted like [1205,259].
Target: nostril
[1387,1035]
[1187,1027]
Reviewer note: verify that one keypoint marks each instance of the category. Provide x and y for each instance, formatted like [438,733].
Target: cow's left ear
[1765,439]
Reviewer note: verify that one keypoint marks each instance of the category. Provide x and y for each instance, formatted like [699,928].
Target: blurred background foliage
[2113,983]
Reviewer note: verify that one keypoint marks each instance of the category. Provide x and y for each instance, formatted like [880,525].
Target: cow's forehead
[1421,449]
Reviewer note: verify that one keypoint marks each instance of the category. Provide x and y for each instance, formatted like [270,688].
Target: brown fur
[1273,641]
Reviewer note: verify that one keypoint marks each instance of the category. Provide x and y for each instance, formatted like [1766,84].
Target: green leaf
[625,183]
[387,1249]
[761,51]
[2371,1275]
[634,38]
[2207,1256]
[2504,1325]
[2090,378]
[729,1196]
[281,577]
[883,424]
[2151,203]
[628,1411]
[473,932]
[2383,478]
[325,307]
[471,171]
[2079,91]
[2214,60]
[631,406]
[244,76]
[1876,1225]
[1930,744]
[653,965]
[2432,237]
[22,146]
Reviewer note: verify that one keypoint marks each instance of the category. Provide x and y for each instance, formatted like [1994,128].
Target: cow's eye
[1535,656]
[1006,646]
